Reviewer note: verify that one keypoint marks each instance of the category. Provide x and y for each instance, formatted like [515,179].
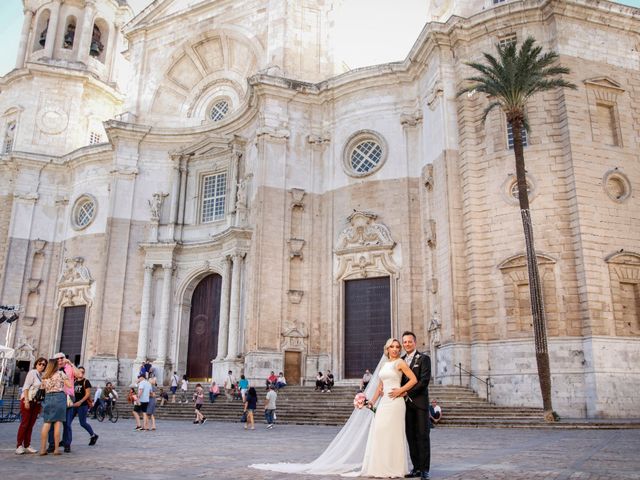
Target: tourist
[132,398]
[184,387]
[29,407]
[174,386]
[96,402]
[250,405]
[82,394]
[54,382]
[229,385]
[243,385]
[151,408]
[271,379]
[214,392]
[281,382]
[144,394]
[163,397]
[108,397]
[198,398]
[435,413]
[319,382]
[71,372]
[328,381]
[366,378]
[270,407]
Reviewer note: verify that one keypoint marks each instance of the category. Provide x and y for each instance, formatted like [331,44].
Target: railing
[487,381]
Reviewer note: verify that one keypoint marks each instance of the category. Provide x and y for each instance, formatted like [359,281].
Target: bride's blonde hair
[388,344]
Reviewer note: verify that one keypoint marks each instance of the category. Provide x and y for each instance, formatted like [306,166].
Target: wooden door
[203,327]
[367,323]
[292,367]
[73,332]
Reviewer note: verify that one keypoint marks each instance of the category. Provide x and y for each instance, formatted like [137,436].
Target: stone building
[235,202]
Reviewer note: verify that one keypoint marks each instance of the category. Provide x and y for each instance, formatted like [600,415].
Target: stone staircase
[304,406]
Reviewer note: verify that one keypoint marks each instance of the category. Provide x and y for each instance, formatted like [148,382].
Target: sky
[368,32]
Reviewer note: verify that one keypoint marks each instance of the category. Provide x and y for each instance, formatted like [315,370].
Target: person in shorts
[174,386]
[144,394]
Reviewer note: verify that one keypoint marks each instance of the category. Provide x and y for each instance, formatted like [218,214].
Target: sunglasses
[42,363]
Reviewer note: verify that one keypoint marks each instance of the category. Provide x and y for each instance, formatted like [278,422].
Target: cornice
[34,69]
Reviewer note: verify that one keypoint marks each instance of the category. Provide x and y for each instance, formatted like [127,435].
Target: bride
[368,445]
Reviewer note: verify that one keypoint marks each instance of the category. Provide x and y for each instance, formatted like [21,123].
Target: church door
[203,327]
[73,332]
[292,367]
[367,323]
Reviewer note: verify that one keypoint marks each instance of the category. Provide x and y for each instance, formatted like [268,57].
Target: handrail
[487,382]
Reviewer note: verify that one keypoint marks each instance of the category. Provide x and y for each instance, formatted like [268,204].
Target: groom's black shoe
[413,474]
[425,476]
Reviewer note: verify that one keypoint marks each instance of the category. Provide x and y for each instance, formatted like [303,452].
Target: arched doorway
[203,326]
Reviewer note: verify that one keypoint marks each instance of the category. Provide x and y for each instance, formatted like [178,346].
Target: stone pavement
[180,450]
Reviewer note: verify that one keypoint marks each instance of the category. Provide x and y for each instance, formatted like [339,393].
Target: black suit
[417,415]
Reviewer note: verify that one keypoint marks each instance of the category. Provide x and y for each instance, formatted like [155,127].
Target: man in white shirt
[229,385]
[270,406]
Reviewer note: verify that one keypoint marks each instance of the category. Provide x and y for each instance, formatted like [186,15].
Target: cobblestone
[223,451]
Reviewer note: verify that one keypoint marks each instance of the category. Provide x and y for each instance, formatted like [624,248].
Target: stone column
[223,331]
[145,314]
[234,311]
[52,29]
[114,47]
[167,270]
[86,30]
[24,38]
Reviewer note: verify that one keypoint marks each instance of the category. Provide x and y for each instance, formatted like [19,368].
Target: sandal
[43,453]
[56,452]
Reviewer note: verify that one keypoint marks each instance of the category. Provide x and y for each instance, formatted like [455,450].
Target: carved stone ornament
[26,351]
[297,197]
[431,233]
[434,330]
[294,338]
[435,92]
[364,232]
[364,249]
[295,296]
[295,247]
[74,285]
[427,176]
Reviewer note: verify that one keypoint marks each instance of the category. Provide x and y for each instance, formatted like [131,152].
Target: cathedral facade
[198,185]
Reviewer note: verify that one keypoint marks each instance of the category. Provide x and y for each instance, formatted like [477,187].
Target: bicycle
[109,409]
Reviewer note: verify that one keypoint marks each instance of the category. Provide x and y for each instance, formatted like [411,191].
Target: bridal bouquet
[359,401]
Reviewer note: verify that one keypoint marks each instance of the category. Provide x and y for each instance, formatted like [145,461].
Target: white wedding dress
[367,445]
[386,453]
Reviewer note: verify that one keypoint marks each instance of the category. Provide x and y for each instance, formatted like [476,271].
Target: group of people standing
[60,390]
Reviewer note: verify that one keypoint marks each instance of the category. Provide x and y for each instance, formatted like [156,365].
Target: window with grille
[219,110]
[510,39]
[84,211]
[365,156]
[214,188]
[525,140]
[94,138]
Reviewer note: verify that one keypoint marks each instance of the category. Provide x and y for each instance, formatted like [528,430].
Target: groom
[417,416]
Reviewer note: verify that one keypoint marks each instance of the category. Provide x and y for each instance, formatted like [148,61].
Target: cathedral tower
[65,81]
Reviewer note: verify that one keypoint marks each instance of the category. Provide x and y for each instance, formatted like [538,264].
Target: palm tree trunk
[535,286]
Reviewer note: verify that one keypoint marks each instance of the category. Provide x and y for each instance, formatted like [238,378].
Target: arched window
[41,30]
[99,40]
[69,32]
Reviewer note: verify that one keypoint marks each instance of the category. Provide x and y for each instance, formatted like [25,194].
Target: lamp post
[9,315]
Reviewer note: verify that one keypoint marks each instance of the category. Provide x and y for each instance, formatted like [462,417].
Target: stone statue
[241,195]
[155,205]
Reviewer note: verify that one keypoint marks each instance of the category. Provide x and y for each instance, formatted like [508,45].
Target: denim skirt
[55,407]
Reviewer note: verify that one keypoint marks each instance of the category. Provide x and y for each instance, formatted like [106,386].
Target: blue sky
[11,24]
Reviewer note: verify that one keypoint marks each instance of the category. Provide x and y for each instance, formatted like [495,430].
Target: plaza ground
[181,450]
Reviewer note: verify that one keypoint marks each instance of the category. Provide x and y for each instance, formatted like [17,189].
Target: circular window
[616,185]
[84,211]
[510,189]
[364,154]
[219,110]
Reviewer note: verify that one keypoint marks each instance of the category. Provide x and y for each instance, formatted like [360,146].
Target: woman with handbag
[55,404]
[29,407]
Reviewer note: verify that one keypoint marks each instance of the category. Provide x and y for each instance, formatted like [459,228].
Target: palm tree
[509,81]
